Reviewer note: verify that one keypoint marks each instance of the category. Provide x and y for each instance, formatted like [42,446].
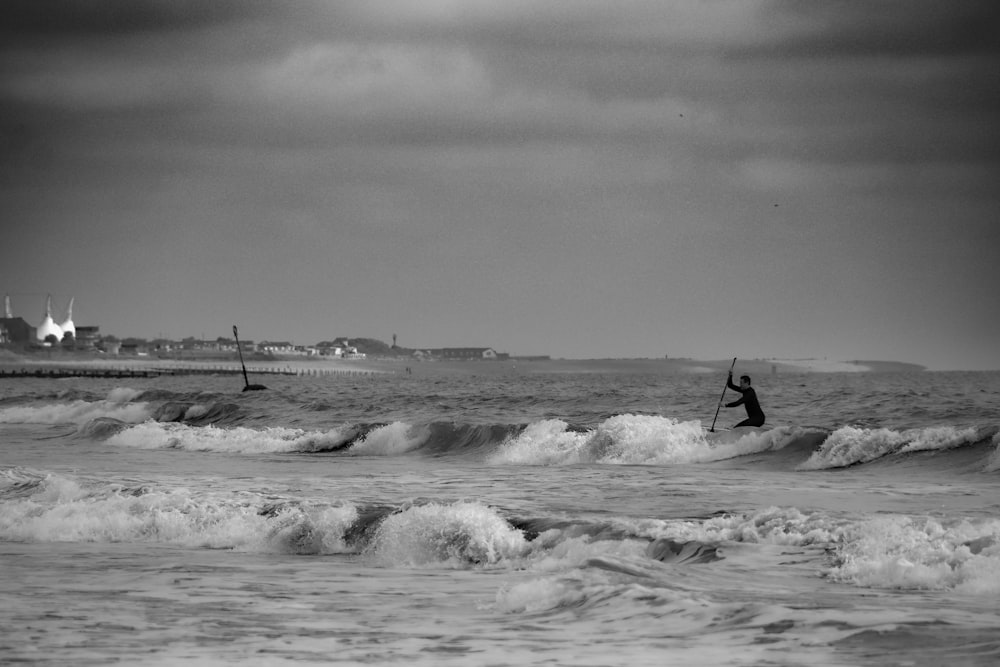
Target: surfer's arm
[729,383]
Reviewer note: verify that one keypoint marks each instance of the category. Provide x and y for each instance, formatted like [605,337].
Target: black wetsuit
[755,416]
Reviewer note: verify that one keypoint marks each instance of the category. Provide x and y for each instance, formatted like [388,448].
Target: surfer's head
[745,380]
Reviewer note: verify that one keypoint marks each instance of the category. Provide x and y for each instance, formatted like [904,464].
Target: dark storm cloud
[899,28]
[842,82]
[32,19]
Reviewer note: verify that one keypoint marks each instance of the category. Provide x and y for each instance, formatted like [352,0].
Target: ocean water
[507,518]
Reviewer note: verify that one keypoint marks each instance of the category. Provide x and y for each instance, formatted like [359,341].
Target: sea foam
[40,507]
[922,553]
[633,439]
[455,534]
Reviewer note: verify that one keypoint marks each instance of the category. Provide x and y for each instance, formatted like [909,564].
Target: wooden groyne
[57,372]
[224,369]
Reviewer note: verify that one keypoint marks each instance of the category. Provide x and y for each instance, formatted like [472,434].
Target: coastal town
[22,344]
[49,336]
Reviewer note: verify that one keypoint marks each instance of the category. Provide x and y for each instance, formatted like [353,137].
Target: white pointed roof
[67,326]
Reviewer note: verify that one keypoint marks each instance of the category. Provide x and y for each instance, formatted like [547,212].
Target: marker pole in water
[246,381]
[719,406]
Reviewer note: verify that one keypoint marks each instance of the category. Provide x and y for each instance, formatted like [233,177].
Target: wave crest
[458,534]
[171,435]
[635,439]
[76,412]
[851,445]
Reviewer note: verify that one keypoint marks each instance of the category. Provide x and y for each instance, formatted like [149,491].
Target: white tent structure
[48,327]
[67,326]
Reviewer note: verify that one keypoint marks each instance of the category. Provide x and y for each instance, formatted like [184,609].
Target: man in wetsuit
[755,416]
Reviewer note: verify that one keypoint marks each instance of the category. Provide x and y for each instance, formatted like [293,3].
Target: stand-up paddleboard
[729,436]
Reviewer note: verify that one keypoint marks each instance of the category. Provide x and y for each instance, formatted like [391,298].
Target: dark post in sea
[246,381]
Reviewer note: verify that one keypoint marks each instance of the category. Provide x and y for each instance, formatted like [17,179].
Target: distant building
[275,347]
[15,330]
[136,347]
[88,336]
[339,348]
[162,345]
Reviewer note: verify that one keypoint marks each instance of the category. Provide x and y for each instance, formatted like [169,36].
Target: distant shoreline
[307,365]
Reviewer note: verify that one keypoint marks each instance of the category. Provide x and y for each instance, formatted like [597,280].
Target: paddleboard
[729,436]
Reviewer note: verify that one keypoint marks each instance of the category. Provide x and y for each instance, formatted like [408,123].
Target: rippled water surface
[517,518]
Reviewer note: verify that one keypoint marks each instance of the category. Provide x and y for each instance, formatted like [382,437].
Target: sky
[575,178]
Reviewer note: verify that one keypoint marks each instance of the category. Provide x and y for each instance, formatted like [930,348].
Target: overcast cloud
[574,178]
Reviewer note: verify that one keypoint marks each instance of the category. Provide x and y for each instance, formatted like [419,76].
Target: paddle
[248,387]
[719,406]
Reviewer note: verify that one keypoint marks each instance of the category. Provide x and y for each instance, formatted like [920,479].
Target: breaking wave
[887,551]
[850,445]
[159,419]
[119,404]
